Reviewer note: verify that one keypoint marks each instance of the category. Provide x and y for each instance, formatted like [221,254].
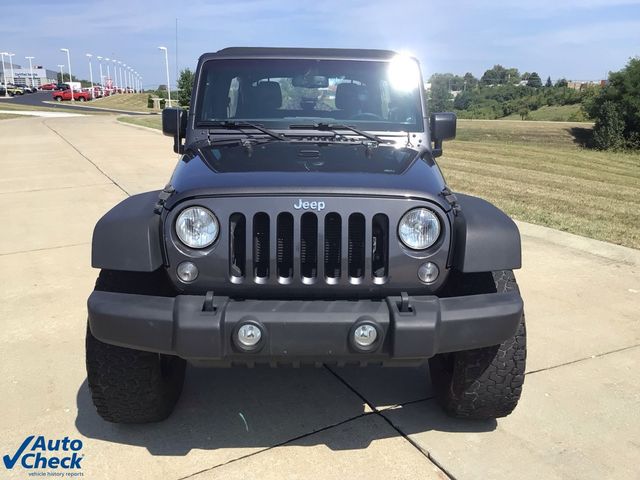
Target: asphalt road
[37,100]
[579,417]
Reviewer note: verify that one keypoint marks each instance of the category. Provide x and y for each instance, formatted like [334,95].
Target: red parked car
[48,86]
[80,96]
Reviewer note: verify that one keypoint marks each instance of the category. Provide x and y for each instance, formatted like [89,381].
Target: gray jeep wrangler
[306,223]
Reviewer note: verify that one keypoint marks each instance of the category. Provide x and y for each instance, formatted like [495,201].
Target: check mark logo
[10,462]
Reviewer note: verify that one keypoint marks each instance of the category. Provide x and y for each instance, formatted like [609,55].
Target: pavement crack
[603,354]
[70,187]
[281,444]
[380,413]
[44,249]
[86,158]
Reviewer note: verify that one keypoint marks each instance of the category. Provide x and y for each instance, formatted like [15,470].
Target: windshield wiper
[233,125]
[332,127]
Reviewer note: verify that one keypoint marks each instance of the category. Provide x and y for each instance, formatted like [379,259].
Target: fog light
[187,272]
[365,335]
[428,272]
[249,335]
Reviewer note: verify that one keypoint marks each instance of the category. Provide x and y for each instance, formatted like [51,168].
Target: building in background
[22,75]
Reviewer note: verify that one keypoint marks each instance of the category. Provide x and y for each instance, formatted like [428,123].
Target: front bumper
[296,331]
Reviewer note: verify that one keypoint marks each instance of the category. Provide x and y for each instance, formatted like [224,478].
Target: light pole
[31,69]
[66,50]
[122,85]
[166,61]
[109,73]
[4,75]
[101,76]
[115,73]
[90,74]
[126,82]
[10,55]
[61,73]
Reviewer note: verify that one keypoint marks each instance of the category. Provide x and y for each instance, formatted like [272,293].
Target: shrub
[608,132]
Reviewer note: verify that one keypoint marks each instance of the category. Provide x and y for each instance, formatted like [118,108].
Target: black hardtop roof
[324,53]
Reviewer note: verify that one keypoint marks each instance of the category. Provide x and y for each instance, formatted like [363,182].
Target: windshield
[277,93]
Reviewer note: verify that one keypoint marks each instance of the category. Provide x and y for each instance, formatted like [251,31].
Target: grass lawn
[8,105]
[556,113]
[5,116]
[538,172]
[133,102]
[151,121]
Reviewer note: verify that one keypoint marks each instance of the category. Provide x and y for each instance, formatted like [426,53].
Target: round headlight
[419,228]
[197,227]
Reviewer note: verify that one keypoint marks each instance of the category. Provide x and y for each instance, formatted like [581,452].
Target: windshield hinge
[164,195]
[451,199]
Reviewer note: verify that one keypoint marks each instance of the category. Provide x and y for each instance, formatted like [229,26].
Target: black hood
[281,168]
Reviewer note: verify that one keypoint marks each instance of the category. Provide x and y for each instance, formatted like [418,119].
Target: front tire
[127,385]
[484,383]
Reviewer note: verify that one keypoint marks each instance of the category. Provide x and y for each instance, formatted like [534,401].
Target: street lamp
[10,55]
[126,82]
[115,73]
[31,69]
[90,74]
[101,76]
[109,74]
[166,61]
[4,75]
[120,70]
[66,50]
[61,73]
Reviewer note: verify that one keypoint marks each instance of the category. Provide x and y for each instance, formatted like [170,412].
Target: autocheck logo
[300,205]
[38,452]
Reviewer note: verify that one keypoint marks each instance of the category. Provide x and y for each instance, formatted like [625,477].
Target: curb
[609,251]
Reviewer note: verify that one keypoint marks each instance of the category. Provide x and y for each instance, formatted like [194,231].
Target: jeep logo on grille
[319,206]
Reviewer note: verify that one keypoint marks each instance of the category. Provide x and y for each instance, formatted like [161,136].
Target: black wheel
[486,382]
[82,99]
[58,99]
[131,386]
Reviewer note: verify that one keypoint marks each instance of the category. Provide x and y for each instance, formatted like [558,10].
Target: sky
[575,39]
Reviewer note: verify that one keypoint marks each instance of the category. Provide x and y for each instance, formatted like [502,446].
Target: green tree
[623,91]
[440,97]
[549,84]
[608,132]
[470,82]
[562,83]
[185,85]
[534,80]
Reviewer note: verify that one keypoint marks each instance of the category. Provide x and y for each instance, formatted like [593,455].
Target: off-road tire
[484,383]
[127,385]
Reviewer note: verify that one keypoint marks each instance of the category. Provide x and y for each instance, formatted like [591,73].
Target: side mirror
[443,127]
[174,124]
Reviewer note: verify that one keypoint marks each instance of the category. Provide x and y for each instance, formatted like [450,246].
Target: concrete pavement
[578,418]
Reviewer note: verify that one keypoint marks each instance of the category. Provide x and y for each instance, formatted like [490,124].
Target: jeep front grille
[309,248]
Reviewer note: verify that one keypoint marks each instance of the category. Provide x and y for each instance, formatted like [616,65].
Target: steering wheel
[366,116]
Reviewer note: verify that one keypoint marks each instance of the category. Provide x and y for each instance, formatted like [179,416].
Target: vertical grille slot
[309,245]
[332,245]
[356,249]
[284,255]
[261,245]
[237,253]
[380,246]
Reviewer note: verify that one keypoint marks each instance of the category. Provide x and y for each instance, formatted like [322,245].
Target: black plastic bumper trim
[308,331]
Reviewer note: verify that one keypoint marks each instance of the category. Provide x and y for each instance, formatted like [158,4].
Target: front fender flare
[485,238]
[128,236]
